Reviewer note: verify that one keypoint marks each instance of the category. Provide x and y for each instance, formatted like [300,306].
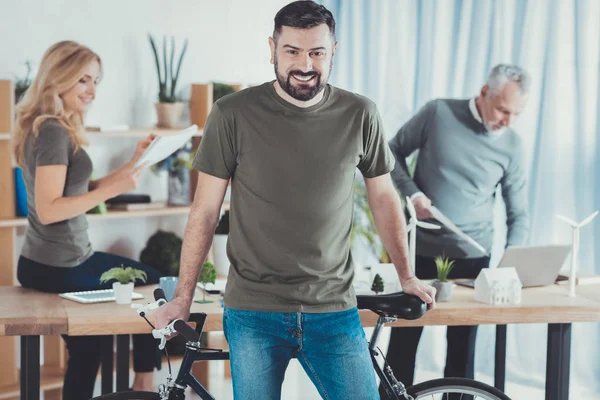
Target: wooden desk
[30,314]
[550,304]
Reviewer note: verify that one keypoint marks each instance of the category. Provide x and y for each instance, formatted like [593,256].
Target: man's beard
[490,128]
[302,92]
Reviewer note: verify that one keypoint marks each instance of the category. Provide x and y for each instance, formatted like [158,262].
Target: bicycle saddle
[396,305]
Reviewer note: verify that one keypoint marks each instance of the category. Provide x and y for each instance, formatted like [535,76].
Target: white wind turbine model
[575,247]
[413,222]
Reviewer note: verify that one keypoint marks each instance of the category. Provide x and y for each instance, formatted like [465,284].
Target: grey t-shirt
[292,172]
[64,243]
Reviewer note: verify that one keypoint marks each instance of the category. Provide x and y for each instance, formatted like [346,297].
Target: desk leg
[107,364]
[558,361]
[122,362]
[30,367]
[500,364]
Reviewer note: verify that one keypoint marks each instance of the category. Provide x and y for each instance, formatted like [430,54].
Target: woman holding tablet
[56,255]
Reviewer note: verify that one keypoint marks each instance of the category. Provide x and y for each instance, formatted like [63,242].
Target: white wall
[227,43]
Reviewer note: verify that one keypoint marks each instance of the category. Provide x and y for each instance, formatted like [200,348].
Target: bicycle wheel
[436,388]
[129,396]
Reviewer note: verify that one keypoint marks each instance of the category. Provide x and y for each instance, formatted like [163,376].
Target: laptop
[535,265]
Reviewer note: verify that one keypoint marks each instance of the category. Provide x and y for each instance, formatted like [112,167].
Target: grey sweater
[459,166]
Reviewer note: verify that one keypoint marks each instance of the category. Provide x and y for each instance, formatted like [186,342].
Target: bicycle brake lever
[143,310]
[163,333]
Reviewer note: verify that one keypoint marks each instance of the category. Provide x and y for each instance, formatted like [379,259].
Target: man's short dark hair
[304,14]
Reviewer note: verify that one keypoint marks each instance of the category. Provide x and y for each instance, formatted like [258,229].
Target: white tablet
[95,296]
[163,146]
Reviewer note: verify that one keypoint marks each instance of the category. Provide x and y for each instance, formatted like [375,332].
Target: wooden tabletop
[113,318]
[549,304]
[29,312]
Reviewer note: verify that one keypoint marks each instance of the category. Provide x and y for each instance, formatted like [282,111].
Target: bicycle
[389,307]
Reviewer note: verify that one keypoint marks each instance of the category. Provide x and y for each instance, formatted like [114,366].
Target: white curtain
[402,53]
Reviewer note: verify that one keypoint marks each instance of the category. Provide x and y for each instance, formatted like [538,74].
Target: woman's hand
[141,147]
[126,179]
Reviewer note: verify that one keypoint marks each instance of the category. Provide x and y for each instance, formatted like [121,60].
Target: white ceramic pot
[123,293]
[220,255]
[443,290]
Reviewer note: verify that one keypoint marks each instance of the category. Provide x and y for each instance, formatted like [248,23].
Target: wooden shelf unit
[54,350]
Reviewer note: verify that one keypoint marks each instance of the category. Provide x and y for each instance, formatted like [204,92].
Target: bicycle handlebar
[181,326]
[186,331]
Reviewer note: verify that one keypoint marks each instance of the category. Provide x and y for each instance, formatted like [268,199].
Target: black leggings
[85,351]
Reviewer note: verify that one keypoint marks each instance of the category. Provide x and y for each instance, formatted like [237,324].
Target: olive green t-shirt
[292,174]
[63,243]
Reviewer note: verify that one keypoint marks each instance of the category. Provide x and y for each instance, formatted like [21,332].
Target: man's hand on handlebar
[423,291]
[173,310]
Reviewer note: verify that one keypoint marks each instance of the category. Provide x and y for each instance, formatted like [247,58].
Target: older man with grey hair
[466,149]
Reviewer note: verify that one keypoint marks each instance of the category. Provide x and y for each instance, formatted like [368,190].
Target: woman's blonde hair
[62,66]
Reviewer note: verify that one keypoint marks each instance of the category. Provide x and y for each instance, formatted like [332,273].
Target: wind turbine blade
[567,220]
[588,219]
[411,208]
[427,225]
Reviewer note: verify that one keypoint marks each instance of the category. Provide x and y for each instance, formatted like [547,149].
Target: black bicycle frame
[185,377]
[383,376]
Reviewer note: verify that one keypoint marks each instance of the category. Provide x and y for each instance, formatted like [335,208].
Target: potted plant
[378,285]
[220,245]
[162,252]
[169,107]
[441,284]
[125,278]
[208,274]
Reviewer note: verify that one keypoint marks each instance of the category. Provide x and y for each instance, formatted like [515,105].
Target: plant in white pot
[125,278]
[441,284]
[169,107]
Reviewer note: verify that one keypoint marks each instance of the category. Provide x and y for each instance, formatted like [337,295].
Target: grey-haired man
[466,149]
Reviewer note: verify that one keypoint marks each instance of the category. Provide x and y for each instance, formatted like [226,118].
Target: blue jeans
[331,347]
[85,351]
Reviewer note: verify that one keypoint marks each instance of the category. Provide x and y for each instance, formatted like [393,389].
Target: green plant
[363,221]
[168,76]
[378,285]
[208,274]
[364,224]
[22,84]
[162,252]
[223,226]
[220,90]
[123,275]
[443,266]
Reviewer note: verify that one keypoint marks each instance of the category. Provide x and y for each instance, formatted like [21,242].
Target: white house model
[498,286]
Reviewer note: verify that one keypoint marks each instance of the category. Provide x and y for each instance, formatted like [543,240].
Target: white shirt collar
[478,118]
[474,111]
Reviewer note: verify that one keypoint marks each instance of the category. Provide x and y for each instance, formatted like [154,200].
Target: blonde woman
[57,255]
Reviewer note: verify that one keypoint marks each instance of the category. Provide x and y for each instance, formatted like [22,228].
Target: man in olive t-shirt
[291,148]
